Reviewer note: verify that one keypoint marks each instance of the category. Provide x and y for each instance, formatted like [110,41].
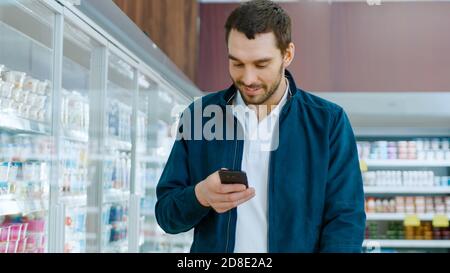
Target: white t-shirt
[251,226]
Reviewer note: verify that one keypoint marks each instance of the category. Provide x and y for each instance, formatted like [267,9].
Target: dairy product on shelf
[74,179]
[75,230]
[417,149]
[142,131]
[75,111]
[119,120]
[114,222]
[117,171]
[24,165]
[408,204]
[397,178]
[24,96]
[397,231]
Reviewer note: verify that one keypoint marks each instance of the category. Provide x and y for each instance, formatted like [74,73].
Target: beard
[269,91]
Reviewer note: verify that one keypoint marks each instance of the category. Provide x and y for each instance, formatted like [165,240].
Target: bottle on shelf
[416,149]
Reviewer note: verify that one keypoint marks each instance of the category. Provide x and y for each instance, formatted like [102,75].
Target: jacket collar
[227,97]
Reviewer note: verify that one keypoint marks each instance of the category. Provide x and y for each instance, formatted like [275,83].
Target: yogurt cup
[31,98]
[15,107]
[33,113]
[44,88]
[15,77]
[17,95]
[6,105]
[6,89]
[22,109]
[31,84]
[41,115]
[40,102]
[25,111]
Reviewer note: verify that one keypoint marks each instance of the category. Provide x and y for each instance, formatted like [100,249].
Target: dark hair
[261,16]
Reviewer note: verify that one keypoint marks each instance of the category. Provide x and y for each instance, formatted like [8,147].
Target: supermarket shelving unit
[400,116]
[96,73]
[399,216]
[444,244]
[406,190]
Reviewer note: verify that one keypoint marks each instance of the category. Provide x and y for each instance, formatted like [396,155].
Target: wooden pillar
[171,24]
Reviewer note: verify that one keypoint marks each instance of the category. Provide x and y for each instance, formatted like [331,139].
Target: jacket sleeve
[177,208]
[344,217]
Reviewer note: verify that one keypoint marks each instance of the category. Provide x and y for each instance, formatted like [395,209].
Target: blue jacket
[315,198]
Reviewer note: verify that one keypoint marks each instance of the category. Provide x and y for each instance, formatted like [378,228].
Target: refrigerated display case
[77,105]
[403,143]
[26,143]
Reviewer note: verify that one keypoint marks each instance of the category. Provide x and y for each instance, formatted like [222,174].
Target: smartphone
[233,177]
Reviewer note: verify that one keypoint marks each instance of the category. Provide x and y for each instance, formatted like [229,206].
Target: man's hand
[221,197]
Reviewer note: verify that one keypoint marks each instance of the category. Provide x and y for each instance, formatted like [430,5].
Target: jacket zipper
[228,231]
[234,168]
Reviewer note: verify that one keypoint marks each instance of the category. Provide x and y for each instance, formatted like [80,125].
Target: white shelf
[408,243]
[173,240]
[406,163]
[76,135]
[116,247]
[10,205]
[401,190]
[77,236]
[115,195]
[150,187]
[118,144]
[74,200]
[160,160]
[400,216]
[13,123]
[148,213]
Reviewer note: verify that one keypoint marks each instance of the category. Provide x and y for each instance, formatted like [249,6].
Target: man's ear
[289,55]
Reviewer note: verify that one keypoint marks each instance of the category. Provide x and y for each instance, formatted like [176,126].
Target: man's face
[256,66]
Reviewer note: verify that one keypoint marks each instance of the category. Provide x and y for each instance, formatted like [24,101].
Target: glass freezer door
[26,143]
[78,83]
[117,159]
[157,114]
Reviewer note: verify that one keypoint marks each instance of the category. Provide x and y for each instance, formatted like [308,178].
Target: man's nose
[249,77]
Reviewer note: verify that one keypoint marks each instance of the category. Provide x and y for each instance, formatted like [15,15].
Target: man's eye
[261,65]
[238,65]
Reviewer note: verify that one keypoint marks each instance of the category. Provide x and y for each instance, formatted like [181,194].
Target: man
[305,189]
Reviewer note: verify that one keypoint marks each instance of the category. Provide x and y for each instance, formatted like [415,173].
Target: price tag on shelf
[363,165]
[411,221]
[440,220]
